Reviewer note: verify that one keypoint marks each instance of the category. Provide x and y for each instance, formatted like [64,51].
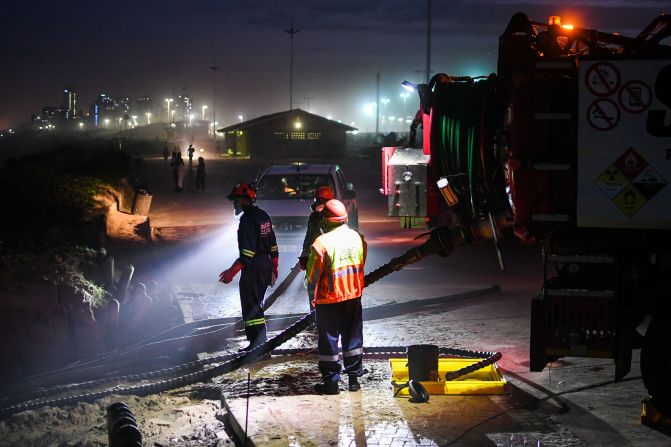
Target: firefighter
[335,270]
[258,260]
[322,195]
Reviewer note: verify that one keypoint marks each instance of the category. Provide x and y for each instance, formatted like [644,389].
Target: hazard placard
[602,79]
[630,163]
[629,200]
[612,181]
[630,182]
[603,114]
[649,182]
[635,97]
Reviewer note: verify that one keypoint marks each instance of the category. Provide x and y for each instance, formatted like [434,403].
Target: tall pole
[428,41]
[308,99]
[214,68]
[377,104]
[291,32]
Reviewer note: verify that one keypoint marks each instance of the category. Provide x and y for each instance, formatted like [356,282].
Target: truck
[568,146]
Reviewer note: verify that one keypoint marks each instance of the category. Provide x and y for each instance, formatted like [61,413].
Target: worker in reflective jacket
[335,270]
[314,230]
[258,260]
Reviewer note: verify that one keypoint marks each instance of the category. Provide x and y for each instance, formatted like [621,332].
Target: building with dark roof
[291,134]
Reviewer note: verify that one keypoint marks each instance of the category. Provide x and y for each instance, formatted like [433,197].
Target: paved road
[573,403]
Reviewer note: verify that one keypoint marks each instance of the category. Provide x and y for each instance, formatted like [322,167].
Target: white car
[286,193]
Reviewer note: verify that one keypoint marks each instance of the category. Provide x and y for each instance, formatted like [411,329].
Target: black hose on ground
[369,313]
[441,241]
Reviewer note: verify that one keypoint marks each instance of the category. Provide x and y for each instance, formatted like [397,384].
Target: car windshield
[291,186]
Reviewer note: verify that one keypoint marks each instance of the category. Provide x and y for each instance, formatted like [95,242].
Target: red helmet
[324,193]
[242,189]
[334,211]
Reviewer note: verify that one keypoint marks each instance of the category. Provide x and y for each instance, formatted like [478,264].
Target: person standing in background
[180,172]
[200,175]
[322,195]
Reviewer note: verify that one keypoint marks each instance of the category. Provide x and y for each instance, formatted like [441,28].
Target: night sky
[164,48]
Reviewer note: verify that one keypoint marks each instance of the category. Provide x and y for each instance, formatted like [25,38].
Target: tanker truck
[567,146]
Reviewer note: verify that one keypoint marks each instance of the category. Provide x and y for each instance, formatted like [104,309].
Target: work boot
[249,347]
[327,388]
[258,341]
[354,383]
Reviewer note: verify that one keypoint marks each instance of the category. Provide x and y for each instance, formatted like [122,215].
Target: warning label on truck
[602,79]
[624,137]
[630,182]
[635,97]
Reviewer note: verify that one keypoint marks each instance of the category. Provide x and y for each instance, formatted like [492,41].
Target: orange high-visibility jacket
[336,265]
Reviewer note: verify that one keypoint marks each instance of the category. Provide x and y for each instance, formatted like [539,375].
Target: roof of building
[273,116]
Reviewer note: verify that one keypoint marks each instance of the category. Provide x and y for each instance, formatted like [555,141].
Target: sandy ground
[178,418]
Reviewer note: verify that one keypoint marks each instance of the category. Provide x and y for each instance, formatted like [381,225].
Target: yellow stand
[651,416]
[487,380]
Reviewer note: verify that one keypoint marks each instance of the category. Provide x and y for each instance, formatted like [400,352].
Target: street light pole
[428,41]
[377,104]
[308,99]
[168,101]
[214,69]
[291,31]
[404,96]
[385,117]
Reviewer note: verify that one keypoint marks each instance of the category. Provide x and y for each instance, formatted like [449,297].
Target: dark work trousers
[340,320]
[254,281]
[200,182]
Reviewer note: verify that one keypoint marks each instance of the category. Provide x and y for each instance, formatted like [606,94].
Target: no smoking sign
[603,114]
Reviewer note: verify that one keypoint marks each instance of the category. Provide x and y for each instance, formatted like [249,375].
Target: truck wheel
[656,362]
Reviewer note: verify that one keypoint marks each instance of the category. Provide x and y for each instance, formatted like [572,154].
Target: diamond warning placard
[630,182]
[631,164]
[630,200]
[612,181]
[649,182]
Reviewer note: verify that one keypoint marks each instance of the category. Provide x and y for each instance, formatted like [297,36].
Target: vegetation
[58,189]
[33,264]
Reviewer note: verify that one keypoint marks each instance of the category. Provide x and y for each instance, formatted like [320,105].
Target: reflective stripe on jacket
[336,265]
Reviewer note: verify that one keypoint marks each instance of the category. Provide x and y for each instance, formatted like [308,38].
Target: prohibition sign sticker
[602,79]
[635,97]
[603,114]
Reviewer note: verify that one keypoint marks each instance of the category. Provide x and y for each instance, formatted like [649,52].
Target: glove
[227,275]
[303,261]
[276,270]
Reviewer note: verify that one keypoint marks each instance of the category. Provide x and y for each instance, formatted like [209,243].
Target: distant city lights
[389,113]
[369,108]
